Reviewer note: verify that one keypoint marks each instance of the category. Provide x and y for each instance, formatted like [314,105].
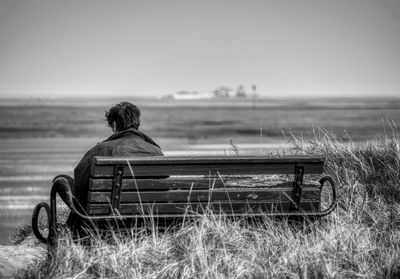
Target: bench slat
[240,168]
[189,160]
[226,207]
[270,195]
[104,184]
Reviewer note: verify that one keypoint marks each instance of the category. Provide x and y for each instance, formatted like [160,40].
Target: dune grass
[360,239]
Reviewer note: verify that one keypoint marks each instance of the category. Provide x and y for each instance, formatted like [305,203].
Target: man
[124,120]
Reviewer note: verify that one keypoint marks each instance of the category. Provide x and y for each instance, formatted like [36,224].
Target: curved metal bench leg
[61,186]
[334,194]
[52,240]
[35,221]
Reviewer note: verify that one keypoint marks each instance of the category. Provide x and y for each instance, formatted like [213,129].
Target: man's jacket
[129,142]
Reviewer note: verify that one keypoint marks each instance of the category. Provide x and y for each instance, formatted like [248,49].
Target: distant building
[240,93]
[189,95]
[222,92]
[218,93]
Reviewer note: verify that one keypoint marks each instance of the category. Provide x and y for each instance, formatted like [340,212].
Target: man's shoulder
[127,146]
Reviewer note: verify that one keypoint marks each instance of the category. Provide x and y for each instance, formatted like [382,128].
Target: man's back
[129,142]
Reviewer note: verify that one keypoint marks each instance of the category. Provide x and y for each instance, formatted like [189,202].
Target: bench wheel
[35,220]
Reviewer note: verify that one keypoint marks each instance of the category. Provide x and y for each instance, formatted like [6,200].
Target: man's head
[123,116]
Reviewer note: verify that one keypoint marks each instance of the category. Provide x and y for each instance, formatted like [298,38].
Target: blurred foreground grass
[360,239]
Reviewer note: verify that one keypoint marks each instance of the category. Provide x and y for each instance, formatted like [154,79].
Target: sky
[51,48]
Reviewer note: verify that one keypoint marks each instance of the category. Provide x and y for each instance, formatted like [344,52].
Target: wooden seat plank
[106,184]
[207,160]
[276,194]
[200,169]
[100,184]
[235,165]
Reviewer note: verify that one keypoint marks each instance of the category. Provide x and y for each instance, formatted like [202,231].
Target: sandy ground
[15,257]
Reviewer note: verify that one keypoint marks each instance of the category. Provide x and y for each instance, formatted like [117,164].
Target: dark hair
[125,115]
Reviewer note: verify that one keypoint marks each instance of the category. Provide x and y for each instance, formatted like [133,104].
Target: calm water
[27,167]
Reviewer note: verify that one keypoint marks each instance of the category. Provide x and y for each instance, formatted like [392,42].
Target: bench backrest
[133,186]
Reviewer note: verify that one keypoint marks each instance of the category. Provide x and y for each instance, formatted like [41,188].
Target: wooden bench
[176,187]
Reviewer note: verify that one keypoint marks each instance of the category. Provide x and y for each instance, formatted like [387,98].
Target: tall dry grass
[360,239]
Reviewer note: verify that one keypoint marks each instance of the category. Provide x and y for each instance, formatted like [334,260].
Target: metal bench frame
[62,186]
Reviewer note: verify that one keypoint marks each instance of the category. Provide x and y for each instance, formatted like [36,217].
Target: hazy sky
[286,48]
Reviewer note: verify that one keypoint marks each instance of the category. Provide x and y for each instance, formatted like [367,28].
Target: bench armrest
[62,185]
